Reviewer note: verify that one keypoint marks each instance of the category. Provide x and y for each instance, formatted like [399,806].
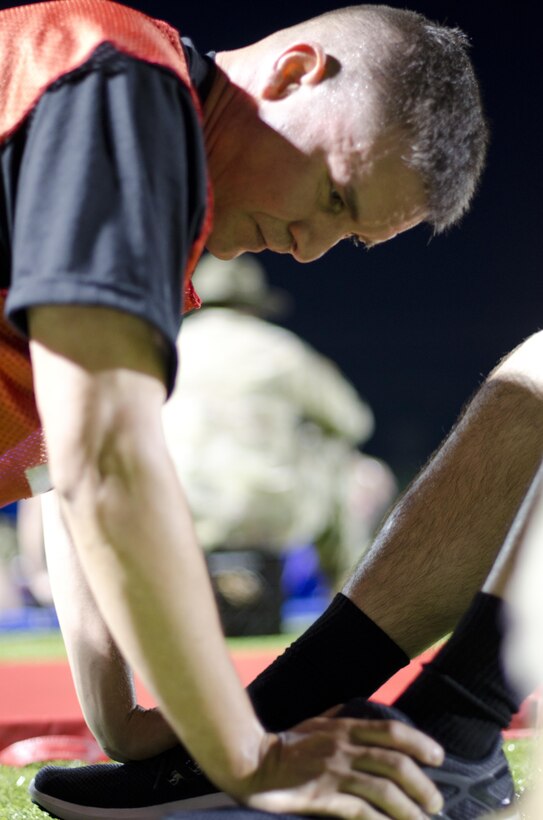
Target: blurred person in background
[32,572]
[10,596]
[264,431]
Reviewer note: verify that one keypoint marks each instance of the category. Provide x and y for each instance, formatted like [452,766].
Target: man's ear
[300,64]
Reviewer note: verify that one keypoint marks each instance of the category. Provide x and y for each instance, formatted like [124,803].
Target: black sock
[462,698]
[342,655]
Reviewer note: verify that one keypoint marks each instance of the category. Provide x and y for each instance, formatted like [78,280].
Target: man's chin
[226,247]
[224,253]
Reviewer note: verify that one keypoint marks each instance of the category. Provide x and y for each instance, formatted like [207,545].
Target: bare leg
[441,540]
[432,555]
[517,578]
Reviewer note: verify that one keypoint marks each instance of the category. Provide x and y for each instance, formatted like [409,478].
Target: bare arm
[442,538]
[131,527]
[102,678]
[127,515]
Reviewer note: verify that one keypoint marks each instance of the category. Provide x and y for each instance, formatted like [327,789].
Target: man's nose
[312,239]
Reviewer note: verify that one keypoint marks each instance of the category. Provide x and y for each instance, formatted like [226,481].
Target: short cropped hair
[423,83]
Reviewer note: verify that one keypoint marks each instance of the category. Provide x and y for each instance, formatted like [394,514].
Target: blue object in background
[10,511]
[28,618]
[306,590]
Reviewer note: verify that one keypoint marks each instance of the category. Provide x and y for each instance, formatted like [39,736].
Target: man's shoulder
[72,28]
[62,35]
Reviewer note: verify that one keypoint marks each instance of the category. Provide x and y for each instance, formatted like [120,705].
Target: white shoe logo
[175,777]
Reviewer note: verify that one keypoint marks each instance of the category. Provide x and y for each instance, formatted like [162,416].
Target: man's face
[299,186]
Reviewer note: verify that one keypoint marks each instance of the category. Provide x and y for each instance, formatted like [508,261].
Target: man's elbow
[113,740]
[100,482]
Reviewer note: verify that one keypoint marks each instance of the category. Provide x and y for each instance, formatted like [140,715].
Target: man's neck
[227,106]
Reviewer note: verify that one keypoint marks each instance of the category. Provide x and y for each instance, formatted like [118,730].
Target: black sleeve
[111,194]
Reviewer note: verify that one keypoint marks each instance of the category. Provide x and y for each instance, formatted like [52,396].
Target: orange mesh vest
[38,45]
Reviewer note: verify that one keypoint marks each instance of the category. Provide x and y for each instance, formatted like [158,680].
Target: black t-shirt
[103,191]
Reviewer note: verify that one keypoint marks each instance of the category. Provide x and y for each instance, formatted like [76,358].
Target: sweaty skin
[307,180]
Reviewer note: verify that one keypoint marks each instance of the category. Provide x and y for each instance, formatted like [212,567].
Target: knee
[523,366]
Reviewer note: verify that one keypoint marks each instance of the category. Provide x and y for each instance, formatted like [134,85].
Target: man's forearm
[134,534]
[102,678]
[441,540]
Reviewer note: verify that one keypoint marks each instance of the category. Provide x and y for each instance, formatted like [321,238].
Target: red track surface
[38,699]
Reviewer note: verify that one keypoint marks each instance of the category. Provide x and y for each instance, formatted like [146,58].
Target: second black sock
[342,655]
[462,698]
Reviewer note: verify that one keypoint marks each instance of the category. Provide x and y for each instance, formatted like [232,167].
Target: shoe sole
[71,811]
[217,800]
[511,814]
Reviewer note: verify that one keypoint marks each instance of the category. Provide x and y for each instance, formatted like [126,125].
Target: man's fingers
[332,711]
[351,808]
[383,795]
[353,769]
[401,769]
[393,734]
[344,805]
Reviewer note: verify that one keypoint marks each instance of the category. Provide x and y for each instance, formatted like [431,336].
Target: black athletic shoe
[474,789]
[470,788]
[170,782]
[144,790]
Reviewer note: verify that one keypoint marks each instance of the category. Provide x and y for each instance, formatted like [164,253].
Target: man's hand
[352,768]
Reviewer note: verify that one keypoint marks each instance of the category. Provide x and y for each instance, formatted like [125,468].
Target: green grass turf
[47,646]
[23,647]
[15,804]
[519,755]
[14,801]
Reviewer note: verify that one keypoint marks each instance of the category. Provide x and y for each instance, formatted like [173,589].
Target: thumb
[332,712]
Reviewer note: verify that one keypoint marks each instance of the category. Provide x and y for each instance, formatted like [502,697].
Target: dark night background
[417,323]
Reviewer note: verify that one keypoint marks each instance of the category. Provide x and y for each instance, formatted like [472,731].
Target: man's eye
[337,200]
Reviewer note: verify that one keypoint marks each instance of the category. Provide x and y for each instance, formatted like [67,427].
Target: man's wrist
[247,771]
